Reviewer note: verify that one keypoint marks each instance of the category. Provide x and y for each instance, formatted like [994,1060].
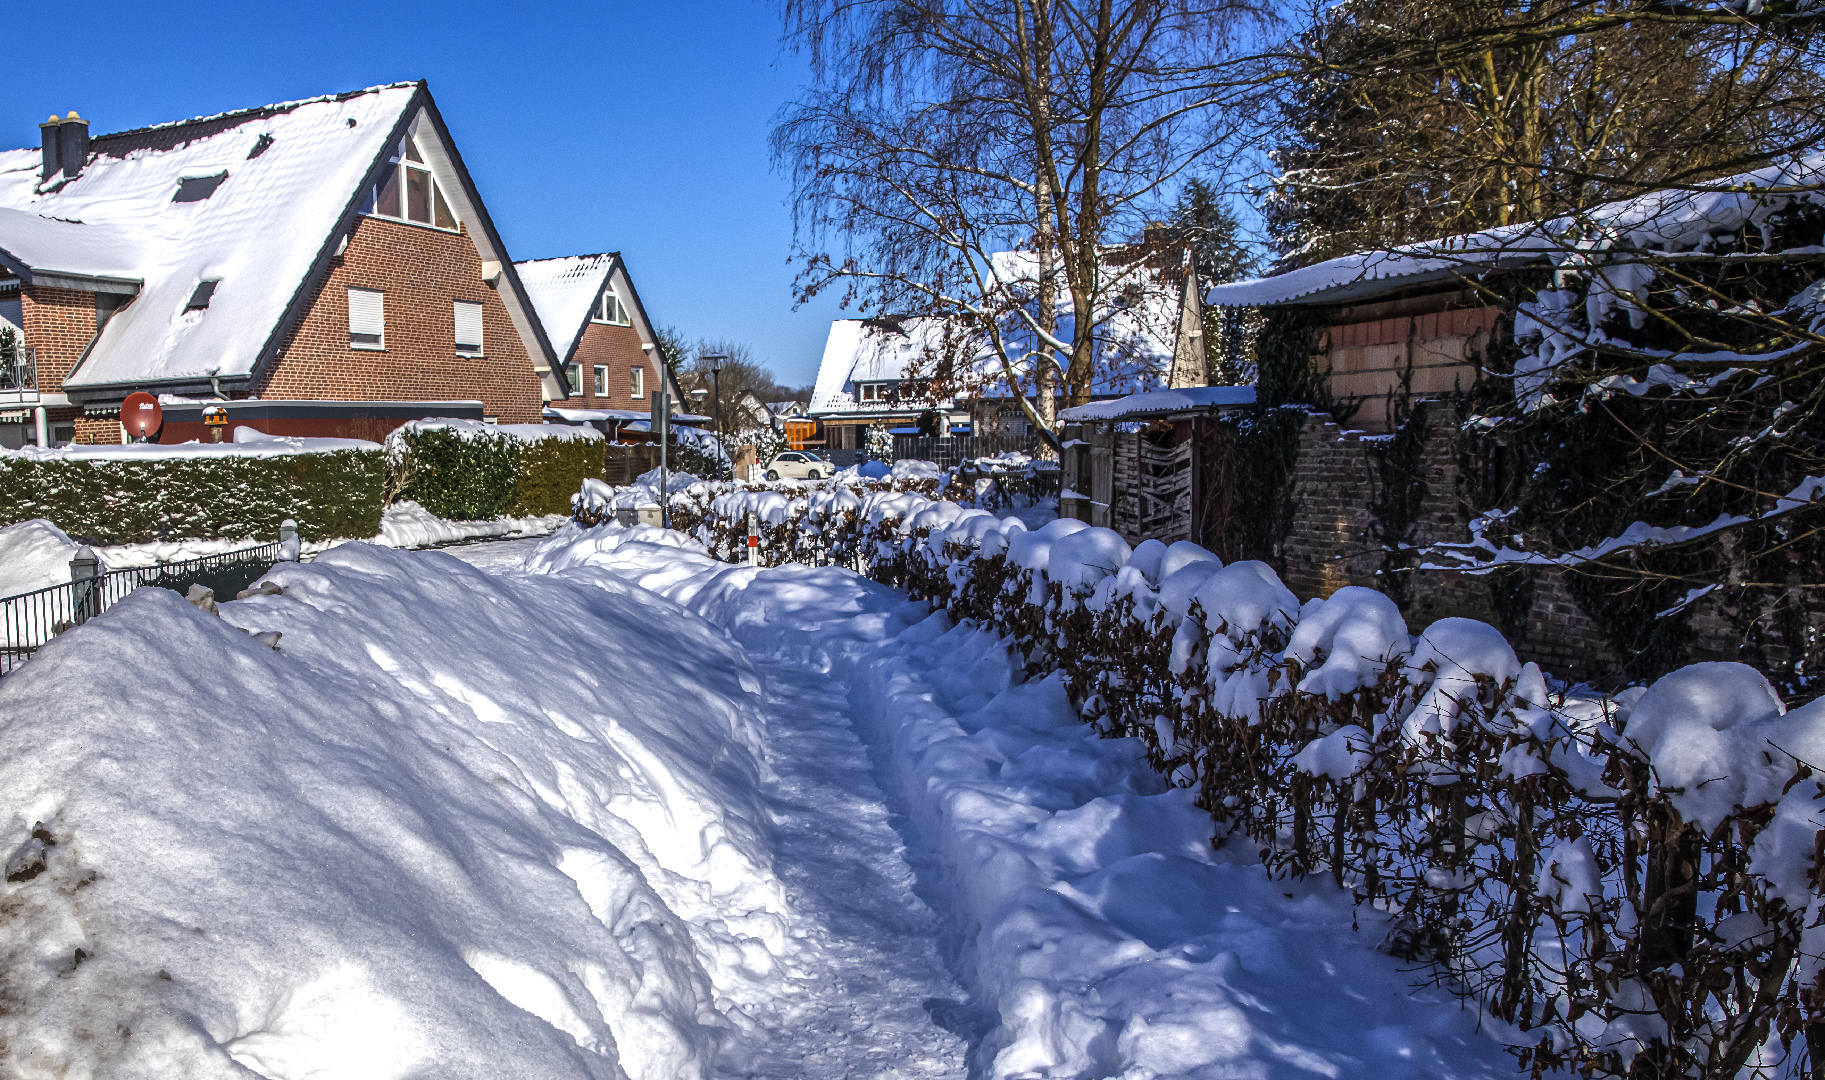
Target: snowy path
[874,979]
[1081,904]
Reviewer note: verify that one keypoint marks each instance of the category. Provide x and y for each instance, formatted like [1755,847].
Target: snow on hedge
[246,443]
[476,429]
[452,825]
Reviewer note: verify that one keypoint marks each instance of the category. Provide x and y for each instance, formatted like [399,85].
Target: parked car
[800,465]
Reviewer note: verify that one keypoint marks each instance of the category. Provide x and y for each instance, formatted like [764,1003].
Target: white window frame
[868,392]
[399,162]
[636,381]
[573,373]
[380,336]
[601,380]
[463,348]
[610,310]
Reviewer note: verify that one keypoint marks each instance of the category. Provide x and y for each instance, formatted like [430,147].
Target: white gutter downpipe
[43,421]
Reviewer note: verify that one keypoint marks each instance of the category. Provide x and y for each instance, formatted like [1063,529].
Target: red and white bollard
[753,539]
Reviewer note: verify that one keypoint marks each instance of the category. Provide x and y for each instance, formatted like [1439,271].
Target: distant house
[603,339]
[876,371]
[324,266]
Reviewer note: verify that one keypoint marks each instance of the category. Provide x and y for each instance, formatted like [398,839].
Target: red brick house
[321,267]
[602,338]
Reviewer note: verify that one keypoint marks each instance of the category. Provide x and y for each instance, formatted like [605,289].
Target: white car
[800,465]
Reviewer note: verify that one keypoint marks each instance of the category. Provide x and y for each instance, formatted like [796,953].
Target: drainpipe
[44,426]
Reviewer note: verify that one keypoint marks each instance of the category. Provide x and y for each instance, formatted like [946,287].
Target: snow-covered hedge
[464,470]
[136,494]
[1628,884]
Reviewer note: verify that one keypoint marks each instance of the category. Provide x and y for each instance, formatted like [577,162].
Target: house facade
[1150,336]
[320,267]
[603,340]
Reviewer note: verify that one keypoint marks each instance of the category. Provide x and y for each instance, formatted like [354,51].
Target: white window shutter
[468,326]
[367,316]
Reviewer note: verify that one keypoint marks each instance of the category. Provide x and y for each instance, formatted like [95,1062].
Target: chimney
[73,144]
[1156,236]
[47,132]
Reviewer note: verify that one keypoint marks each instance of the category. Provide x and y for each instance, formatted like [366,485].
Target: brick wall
[422,271]
[59,323]
[618,349]
[1335,541]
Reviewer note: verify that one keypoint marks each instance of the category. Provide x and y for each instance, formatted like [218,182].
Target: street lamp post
[716,360]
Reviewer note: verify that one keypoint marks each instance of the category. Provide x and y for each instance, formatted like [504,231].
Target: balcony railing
[19,375]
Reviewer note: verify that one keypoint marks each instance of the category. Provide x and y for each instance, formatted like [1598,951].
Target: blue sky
[638,127]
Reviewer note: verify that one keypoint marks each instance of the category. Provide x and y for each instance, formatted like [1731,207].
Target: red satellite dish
[140,414]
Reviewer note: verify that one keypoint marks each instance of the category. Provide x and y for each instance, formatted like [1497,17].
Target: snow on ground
[1097,932]
[406,524]
[34,554]
[455,825]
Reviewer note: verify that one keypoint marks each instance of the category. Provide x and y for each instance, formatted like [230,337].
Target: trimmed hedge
[329,495]
[551,471]
[465,472]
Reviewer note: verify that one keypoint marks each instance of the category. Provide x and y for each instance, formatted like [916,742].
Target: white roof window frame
[392,195]
[609,309]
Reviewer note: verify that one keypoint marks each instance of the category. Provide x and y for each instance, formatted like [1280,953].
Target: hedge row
[472,473]
[1631,886]
[336,494]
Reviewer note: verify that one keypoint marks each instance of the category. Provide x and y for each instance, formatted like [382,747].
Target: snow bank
[406,524]
[428,834]
[34,554]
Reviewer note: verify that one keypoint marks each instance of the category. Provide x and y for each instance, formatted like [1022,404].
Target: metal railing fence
[28,620]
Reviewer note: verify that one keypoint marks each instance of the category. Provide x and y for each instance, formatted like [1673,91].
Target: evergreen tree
[1205,223]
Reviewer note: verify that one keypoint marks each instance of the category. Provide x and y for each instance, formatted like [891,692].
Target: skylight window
[609,309]
[200,296]
[198,188]
[408,192]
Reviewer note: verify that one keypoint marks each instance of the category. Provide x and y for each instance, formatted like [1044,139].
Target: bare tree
[977,160]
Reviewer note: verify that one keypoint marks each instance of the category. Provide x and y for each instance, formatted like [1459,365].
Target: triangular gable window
[408,192]
[610,309]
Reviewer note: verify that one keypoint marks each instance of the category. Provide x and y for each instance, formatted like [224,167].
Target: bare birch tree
[939,134]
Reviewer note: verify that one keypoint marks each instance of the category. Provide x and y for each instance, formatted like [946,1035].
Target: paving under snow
[603,807]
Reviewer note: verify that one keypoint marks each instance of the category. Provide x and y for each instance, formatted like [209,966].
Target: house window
[407,191]
[367,319]
[636,378]
[468,328]
[609,309]
[601,380]
[573,374]
[870,391]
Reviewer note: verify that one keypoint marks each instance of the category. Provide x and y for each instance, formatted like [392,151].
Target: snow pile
[406,524]
[34,554]
[1097,930]
[427,833]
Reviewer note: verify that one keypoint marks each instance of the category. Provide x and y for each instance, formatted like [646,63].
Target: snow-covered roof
[1664,220]
[1136,335]
[292,171]
[1190,399]
[288,179]
[563,291]
[41,248]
